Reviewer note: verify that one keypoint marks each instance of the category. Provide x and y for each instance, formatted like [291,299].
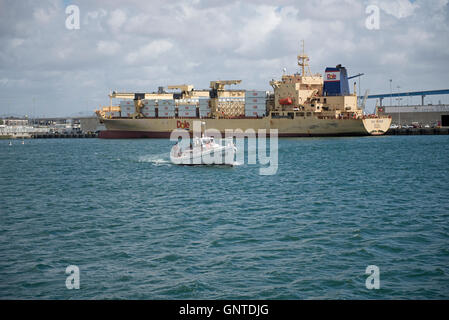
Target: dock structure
[64,135]
[422,94]
[417,131]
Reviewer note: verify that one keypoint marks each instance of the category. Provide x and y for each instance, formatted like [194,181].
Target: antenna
[303,60]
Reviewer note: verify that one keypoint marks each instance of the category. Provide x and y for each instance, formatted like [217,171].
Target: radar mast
[303,62]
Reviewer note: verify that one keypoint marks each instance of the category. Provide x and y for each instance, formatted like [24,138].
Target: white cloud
[398,8]
[42,15]
[149,51]
[108,47]
[257,28]
[116,19]
[16,42]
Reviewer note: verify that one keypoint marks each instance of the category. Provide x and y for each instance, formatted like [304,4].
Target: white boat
[205,151]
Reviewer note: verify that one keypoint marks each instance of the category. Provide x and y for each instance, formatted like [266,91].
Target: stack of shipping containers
[231,106]
[255,104]
[149,108]
[204,108]
[166,108]
[187,108]
[126,108]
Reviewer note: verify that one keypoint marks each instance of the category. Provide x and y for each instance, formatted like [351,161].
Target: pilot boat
[204,151]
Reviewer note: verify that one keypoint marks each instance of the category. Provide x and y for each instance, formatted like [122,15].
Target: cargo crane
[220,84]
[357,76]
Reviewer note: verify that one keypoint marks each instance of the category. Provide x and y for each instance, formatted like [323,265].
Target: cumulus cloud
[108,47]
[398,8]
[116,19]
[149,51]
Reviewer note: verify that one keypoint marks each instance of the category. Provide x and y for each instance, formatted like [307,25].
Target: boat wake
[156,159]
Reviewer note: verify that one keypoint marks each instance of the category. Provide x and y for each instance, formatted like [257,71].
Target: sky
[48,69]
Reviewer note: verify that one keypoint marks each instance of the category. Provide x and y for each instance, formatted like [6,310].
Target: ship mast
[303,61]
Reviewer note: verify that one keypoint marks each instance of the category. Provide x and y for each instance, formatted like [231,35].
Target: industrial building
[417,115]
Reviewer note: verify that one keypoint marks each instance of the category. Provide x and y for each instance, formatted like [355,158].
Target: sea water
[138,227]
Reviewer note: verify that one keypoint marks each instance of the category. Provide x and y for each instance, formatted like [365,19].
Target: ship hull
[297,127]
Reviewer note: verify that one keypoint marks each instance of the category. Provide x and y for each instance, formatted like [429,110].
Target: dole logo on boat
[182,124]
[332,76]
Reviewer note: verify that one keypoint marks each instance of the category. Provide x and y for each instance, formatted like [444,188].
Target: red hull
[116,134]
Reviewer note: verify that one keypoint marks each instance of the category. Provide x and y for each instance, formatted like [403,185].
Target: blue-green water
[140,228]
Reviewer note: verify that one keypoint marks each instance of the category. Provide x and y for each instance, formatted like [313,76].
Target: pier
[418,131]
[64,135]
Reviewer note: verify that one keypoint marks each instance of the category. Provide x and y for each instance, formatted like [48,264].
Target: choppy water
[139,227]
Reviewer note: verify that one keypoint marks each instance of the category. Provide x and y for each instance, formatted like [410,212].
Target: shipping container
[186,107]
[166,114]
[149,114]
[126,103]
[148,108]
[125,114]
[166,108]
[166,102]
[254,113]
[127,109]
[149,102]
[204,113]
[252,94]
[255,100]
[187,113]
[254,106]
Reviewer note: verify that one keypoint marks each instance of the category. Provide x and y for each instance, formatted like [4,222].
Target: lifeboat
[286,101]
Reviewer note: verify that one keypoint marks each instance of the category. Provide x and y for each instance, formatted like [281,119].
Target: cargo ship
[301,104]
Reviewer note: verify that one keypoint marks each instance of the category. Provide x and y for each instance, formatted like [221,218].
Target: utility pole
[391,93]
[399,108]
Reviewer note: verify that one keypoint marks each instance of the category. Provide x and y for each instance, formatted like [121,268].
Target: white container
[149,102]
[254,106]
[167,102]
[254,113]
[149,114]
[255,100]
[127,109]
[204,113]
[166,114]
[164,108]
[125,114]
[126,103]
[148,108]
[254,93]
[187,107]
[186,113]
